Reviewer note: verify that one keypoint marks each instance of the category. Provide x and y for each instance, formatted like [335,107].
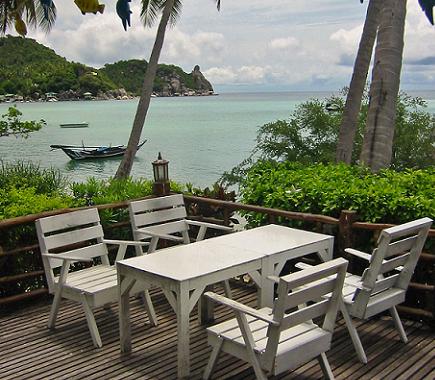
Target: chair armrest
[126,242]
[301,265]
[208,225]
[360,254]
[65,256]
[240,307]
[149,233]
[274,279]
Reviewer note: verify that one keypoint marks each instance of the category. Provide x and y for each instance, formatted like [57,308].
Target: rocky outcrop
[201,84]
[174,84]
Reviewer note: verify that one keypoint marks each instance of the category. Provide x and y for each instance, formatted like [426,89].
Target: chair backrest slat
[69,220]
[392,264]
[159,216]
[73,237]
[385,283]
[299,296]
[88,252]
[170,227]
[305,314]
[401,246]
[170,201]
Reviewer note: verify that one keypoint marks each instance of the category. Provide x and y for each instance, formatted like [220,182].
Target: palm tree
[378,137]
[379,134]
[170,10]
[349,121]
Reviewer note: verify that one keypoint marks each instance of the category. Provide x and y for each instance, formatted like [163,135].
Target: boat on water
[83,124]
[81,152]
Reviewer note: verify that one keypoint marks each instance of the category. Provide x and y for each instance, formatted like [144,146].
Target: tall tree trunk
[378,137]
[349,122]
[126,164]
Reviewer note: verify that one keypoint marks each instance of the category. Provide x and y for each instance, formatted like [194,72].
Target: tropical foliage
[129,75]
[12,124]
[310,135]
[28,68]
[26,188]
[389,196]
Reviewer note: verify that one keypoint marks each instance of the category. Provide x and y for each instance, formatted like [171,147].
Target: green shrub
[24,174]
[17,202]
[389,196]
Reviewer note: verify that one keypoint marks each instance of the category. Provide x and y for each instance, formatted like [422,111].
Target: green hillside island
[32,71]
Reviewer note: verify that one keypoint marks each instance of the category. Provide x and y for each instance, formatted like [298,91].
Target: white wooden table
[183,272]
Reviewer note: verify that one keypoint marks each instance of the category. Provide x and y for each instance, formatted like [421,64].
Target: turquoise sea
[200,136]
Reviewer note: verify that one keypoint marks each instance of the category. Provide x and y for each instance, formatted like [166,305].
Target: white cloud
[206,47]
[283,43]
[347,40]
[220,75]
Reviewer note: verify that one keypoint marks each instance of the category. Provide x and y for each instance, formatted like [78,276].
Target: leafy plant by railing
[217,191]
[389,196]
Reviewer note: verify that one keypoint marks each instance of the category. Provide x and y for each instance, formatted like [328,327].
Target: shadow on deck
[30,351]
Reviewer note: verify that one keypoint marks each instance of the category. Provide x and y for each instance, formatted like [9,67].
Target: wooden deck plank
[31,351]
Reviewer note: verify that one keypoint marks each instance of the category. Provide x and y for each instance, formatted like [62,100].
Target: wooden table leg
[206,307]
[183,355]
[124,287]
[265,291]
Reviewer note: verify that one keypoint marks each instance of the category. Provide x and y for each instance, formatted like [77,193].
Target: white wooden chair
[384,282]
[78,236]
[166,218]
[280,339]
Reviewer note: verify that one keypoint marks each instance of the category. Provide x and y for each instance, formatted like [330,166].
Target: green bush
[389,196]
[23,174]
[17,202]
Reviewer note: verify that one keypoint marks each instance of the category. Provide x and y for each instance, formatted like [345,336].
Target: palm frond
[176,12]
[150,11]
[46,14]
[6,19]
[28,8]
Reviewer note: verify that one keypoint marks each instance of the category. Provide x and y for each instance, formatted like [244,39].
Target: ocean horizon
[200,136]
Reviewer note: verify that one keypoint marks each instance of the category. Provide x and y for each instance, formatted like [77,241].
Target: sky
[249,45]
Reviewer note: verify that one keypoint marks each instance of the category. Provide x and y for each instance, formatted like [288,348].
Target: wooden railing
[346,229]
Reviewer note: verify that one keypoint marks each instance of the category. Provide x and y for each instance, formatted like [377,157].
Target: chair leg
[213,359]
[227,289]
[398,324]
[324,364]
[92,325]
[54,310]
[149,307]
[353,334]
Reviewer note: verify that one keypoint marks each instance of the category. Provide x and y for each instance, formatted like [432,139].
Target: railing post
[226,216]
[345,233]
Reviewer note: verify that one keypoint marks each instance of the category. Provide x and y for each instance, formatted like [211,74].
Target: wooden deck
[28,350]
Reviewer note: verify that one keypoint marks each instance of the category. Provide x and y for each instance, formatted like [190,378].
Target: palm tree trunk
[378,138]
[349,122]
[126,164]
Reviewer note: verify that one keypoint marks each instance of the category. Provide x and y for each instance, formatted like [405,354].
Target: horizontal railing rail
[345,228]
